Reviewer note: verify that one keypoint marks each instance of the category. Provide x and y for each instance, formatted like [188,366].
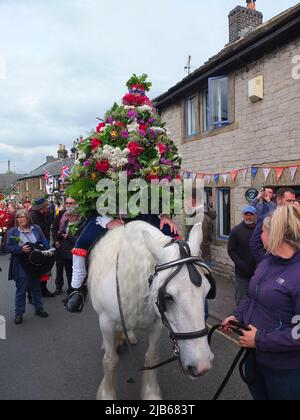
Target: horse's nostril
[193,371]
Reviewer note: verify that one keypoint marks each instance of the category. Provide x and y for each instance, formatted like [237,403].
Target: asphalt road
[60,358]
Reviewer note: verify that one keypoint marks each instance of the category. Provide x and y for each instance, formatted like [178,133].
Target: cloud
[64,62]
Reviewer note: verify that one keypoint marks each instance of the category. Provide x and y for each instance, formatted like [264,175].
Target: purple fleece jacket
[272,303]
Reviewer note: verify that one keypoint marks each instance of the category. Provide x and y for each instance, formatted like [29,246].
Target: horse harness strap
[196,279]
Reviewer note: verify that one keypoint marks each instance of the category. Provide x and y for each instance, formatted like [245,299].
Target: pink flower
[162,148]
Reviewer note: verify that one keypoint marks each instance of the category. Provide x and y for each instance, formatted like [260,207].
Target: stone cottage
[236,119]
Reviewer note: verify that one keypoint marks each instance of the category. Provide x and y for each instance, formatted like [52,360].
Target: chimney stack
[243,20]
[62,152]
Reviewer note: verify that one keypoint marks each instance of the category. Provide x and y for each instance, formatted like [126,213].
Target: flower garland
[131,138]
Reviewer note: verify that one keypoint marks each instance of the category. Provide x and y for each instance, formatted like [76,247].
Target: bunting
[279,171]
[233,175]
[225,178]
[217,178]
[293,171]
[266,172]
[254,172]
[245,173]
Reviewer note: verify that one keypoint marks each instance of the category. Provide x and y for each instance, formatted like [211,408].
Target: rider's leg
[79,271]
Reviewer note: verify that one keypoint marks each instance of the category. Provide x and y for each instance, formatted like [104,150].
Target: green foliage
[142,80]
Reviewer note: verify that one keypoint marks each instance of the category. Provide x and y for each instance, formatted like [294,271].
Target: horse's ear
[195,239]
[156,245]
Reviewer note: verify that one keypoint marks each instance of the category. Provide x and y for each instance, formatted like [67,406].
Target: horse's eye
[168,297]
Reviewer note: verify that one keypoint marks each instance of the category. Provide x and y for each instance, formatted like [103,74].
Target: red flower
[134,100]
[153,177]
[103,166]
[162,148]
[142,87]
[95,143]
[143,127]
[120,124]
[101,125]
[135,149]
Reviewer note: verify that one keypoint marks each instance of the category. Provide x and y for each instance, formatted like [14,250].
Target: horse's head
[181,294]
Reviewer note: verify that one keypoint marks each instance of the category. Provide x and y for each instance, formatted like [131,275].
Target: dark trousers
[273,384]
[24,283]
[60,267]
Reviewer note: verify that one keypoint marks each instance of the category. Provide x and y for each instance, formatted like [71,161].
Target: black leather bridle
[196,279]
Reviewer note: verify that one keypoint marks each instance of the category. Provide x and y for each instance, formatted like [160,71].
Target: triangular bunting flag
[200,176]
[225,178]
[208,178]
[244,173]
[254,172]
[279,171]
[293,172]
[266,172]
[233,175]
[216,178]
[187,175]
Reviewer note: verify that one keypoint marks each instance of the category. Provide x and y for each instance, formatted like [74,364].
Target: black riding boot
[45,291]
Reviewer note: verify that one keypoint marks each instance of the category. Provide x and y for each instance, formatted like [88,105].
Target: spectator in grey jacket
[240,253]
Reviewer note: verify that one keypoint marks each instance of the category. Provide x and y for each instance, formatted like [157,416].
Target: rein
[241,359]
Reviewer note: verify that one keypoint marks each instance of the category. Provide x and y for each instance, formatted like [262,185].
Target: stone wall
[266,133]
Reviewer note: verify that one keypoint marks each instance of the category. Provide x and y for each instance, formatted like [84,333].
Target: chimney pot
[243,20]
[251,4]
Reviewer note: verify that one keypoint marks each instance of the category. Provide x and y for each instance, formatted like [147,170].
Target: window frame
[186,117]
[220,192]
[219,124]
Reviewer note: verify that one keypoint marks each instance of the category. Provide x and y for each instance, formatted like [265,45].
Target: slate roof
[8,180]
[54,168]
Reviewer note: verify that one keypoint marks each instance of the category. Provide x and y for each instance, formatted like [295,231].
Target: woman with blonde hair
[19,240]
[272,311]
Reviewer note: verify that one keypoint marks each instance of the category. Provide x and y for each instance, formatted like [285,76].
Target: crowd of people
[264,247]
[30,225]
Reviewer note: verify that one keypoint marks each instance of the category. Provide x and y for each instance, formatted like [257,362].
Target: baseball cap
[249,209]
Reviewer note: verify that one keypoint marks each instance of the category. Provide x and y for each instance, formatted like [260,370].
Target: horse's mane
[136,264]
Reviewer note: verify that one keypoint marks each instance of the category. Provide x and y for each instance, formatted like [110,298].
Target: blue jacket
[272,303]
[16,270]
[256,245]
[263,208]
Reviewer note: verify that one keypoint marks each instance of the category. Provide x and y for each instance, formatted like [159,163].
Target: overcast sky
[64,62]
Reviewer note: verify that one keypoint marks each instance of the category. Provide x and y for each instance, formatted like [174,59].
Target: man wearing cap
[240,253]
[38,212]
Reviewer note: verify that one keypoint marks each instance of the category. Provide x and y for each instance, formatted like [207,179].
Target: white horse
[139,247]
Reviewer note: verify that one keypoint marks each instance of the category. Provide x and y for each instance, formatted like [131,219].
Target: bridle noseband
[196,279]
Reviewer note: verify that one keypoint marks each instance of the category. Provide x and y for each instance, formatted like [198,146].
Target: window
[41,185]
[205,110]
[26,186]
[208,198]
[190,116]
[218,95]
[224,213]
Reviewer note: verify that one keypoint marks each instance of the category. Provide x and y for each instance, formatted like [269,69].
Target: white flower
[145,108]
[132,127]
[129,107]
[159,129]
[81,155]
